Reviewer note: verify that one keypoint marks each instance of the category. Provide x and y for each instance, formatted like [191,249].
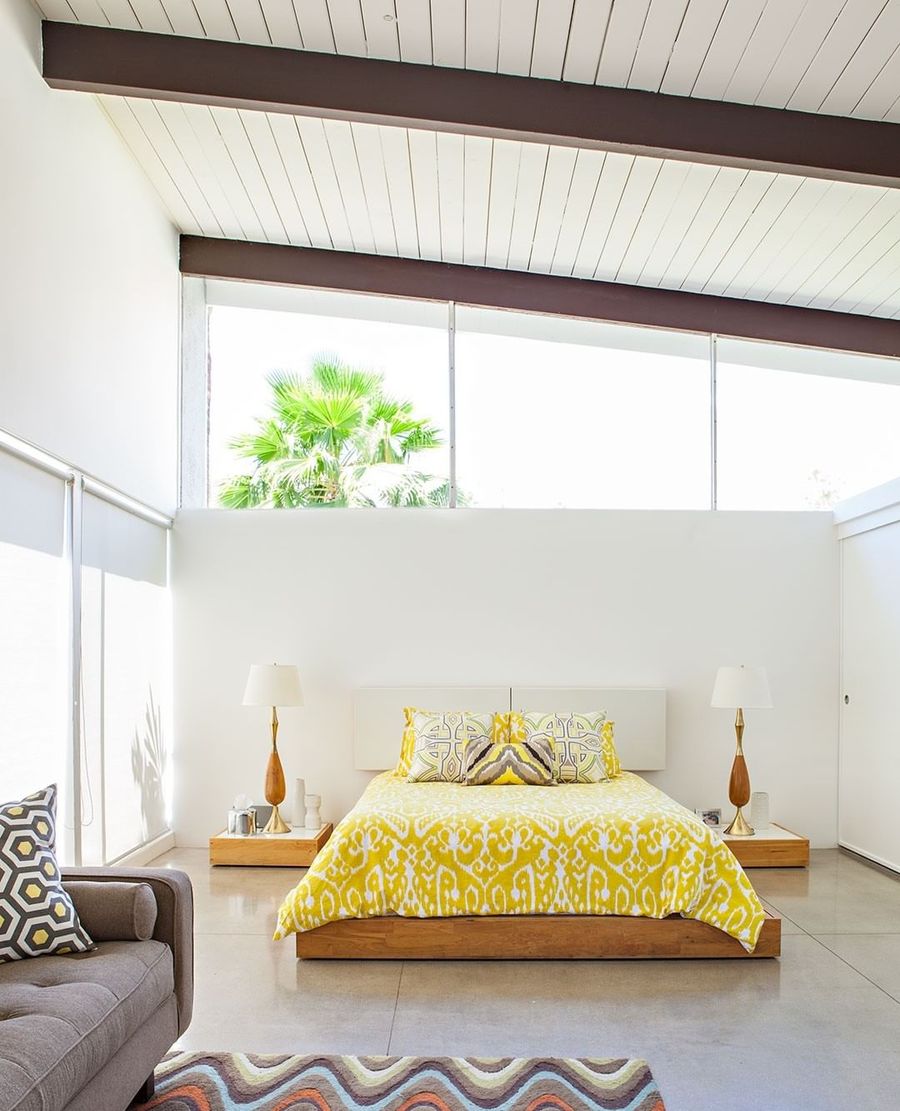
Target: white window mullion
[713,427]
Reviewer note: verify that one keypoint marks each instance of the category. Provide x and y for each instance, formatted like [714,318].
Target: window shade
[32,506]
[126,697]
[123,544]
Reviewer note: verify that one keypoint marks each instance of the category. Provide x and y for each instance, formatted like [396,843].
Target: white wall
[380,597]
[88,282]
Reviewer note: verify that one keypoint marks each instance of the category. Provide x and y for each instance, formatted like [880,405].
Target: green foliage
[334,438]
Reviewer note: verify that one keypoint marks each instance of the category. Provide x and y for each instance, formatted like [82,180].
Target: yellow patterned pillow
[407,742]
[610,756]
[508,756]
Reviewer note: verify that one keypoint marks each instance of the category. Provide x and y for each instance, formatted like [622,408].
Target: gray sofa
[85,1032]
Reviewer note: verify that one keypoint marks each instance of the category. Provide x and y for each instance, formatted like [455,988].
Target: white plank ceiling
[835,56]
[527,206]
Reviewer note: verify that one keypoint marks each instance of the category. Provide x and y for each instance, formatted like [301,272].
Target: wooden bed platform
[530,937]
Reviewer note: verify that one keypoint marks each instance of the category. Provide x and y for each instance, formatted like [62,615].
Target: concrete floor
[818,1029]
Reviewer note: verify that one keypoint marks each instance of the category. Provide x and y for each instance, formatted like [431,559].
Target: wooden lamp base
[275,786]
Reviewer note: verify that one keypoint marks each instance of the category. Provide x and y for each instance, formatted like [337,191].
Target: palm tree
[335,438]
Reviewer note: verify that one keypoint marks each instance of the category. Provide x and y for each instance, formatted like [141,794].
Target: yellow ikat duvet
[432,850]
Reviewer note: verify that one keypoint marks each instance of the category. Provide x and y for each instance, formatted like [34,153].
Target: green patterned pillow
[37,916]
[439,740]
[581,744]
[509,756]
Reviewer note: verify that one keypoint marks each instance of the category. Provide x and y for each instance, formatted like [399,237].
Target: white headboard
[639,714]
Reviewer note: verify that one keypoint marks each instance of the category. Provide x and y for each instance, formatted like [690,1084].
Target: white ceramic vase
[759,810]
[298,806]
[313,817]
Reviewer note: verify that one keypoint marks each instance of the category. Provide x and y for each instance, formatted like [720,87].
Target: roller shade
[123,544]
[32,506]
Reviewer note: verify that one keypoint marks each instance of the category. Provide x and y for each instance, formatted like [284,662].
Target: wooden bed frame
[640,715]
[530,937]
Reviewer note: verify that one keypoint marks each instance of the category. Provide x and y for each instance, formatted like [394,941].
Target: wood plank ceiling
[835,56]
[554,210]
[420,194]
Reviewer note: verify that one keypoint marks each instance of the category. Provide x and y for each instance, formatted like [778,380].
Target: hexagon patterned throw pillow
[37,916]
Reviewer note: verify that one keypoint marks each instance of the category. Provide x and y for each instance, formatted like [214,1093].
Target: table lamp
[274,685]
[740,688]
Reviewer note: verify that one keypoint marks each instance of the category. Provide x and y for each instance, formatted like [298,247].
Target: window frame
[201,294]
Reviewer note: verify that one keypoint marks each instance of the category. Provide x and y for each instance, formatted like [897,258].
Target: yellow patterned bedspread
[431,850]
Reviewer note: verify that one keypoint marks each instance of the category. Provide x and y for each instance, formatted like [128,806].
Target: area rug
[270,1082]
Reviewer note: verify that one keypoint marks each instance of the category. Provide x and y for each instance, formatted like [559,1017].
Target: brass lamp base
[276,824]
[739,826]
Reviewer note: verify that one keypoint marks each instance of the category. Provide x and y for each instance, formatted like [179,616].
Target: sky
[577,425]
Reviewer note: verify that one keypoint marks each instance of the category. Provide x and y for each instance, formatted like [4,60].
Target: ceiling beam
[538,293]
[334,86]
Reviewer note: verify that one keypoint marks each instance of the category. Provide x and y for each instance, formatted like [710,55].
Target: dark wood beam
[241,75]
[537,293]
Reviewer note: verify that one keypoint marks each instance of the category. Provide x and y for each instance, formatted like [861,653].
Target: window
[120,798]
[328,399]
[126,668]
[34,655]
[321,398]
[565,413]
[803,429]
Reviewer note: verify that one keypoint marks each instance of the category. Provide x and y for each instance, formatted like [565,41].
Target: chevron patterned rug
[270,1082]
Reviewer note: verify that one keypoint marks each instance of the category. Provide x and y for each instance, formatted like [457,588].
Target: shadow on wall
[148,765]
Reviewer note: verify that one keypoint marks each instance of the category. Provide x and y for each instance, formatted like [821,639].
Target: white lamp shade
[273,685]
[742,687]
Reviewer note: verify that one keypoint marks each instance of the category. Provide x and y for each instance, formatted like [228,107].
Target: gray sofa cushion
[62,1018]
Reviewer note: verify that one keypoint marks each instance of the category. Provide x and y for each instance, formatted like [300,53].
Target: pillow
[37,917]
[439,741]
[610,756]
[509,756]
[407,743]
[577,749]
[583,744]
[114,911]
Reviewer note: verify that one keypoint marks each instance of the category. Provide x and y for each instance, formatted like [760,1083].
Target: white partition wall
[452,598]
[870,737]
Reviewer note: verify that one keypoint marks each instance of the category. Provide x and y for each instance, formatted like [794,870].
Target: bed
[443,870]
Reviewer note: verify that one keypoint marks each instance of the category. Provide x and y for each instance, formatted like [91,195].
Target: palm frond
[334,438]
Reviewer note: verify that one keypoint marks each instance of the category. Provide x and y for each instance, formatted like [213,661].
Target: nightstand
[296,849]
[775,847]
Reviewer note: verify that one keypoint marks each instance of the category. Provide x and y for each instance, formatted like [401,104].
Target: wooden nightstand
[775,847]
[296,849]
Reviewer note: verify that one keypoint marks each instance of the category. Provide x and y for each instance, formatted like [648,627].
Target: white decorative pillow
[440,738]
[578,743]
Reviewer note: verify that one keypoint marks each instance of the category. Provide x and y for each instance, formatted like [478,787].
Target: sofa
[85,1031]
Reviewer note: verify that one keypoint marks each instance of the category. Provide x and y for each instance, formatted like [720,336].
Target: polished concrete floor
[819,1029]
